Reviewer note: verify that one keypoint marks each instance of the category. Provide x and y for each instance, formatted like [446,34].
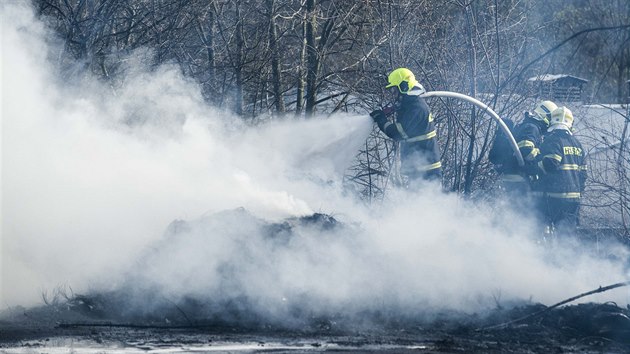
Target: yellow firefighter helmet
[402,78]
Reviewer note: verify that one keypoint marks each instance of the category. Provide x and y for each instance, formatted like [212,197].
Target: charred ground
[577,328]
[141,319]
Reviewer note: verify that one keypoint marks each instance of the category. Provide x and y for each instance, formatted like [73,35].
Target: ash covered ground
[141,314]
[586,328]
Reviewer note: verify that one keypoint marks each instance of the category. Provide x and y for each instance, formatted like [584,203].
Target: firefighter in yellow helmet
[562,169]
[412,125]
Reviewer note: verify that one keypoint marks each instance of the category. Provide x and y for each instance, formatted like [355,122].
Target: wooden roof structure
[559,88]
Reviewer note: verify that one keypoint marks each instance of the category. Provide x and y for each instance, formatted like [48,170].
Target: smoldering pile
[233,275]
[234,270]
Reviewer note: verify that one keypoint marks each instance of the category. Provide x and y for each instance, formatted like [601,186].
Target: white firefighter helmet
[561,118]
[543,111]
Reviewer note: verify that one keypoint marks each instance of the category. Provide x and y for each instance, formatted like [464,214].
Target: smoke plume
[92,178]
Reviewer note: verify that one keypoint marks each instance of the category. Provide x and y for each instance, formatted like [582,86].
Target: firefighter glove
[378,116]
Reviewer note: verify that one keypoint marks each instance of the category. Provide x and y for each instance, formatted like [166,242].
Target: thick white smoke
[91,179]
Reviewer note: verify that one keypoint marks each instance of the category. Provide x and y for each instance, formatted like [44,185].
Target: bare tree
[308,56]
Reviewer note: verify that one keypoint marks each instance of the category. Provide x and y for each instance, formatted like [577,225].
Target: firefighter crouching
[412,126]
[561,166]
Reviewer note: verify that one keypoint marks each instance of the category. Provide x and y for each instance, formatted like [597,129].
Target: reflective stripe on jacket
[562,164]
[414,128]
[528,136]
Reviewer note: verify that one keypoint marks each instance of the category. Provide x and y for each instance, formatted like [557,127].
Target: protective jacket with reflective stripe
[413,126]
[562,165]
[528,136]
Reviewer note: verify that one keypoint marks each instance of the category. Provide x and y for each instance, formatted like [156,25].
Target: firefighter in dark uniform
[524,188]
[562,170]
[529,136]
[412,126]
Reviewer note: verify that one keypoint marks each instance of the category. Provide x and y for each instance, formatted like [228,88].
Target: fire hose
[487,109]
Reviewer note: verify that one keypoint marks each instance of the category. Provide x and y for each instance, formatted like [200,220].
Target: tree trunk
[275,61]
[299,103]
[238,101]
[472,63]
[207,39]
[312,57]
